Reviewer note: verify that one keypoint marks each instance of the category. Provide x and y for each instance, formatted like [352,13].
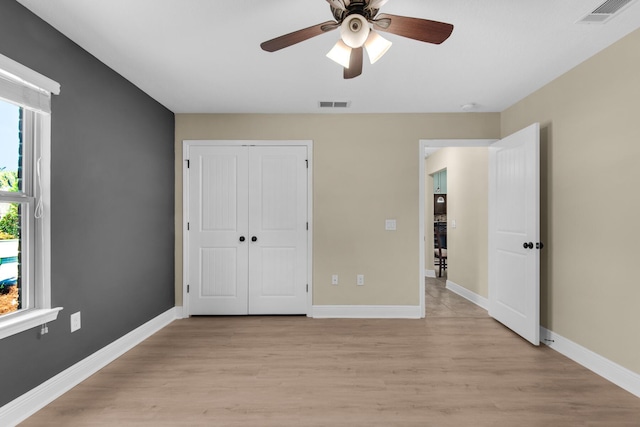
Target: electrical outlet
[334,279]
[75,321]
[360,279]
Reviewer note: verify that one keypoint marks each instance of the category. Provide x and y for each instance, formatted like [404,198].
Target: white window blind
[25,96]
[23,86]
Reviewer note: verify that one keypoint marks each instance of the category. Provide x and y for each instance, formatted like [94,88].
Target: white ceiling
[204,56]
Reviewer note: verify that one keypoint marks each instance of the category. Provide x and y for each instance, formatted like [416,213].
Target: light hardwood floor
[457,367]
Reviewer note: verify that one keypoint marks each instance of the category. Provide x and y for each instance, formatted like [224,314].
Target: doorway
[513,205]
[457,222]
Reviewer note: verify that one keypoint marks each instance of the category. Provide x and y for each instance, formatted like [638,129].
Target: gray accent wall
[112,204]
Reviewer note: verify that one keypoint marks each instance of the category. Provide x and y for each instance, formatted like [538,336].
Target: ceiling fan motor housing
[355,7]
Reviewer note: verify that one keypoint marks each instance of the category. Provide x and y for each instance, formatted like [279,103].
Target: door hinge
[307,288]
[307,163]
[307,226]
[188,164]
[188,226]
[187,288]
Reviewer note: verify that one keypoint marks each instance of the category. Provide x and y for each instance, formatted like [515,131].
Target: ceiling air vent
[334,104]
[605,11]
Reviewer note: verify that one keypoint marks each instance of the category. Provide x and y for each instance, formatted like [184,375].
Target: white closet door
[278,230]
[218,218]
[248,230]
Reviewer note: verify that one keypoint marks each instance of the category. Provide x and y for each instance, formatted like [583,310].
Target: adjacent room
[319,212]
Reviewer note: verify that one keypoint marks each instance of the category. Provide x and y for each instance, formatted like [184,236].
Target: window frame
[37,144]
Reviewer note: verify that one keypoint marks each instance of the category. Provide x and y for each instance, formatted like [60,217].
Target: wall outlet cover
[75,321]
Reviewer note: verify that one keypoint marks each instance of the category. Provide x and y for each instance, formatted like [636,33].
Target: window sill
[20,322]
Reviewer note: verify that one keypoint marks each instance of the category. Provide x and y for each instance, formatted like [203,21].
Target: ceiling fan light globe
[376,46]
[354,30]
[340,53]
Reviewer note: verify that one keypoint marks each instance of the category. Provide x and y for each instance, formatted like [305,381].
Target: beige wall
[467,204]
[366,169]
[590,119]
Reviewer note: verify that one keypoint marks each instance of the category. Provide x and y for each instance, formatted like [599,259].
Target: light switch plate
[390,225]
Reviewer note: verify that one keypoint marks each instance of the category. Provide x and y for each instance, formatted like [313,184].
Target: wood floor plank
[457,367]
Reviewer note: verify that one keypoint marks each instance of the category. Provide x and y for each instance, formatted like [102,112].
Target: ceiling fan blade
[376,4]
[355,63]
[298,36]
[422,30]
[338,4]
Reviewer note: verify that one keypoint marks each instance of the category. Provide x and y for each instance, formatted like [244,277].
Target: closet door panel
[278,221]
[218,218]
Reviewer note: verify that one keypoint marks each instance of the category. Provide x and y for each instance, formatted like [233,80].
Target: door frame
[428,146]
[186,144]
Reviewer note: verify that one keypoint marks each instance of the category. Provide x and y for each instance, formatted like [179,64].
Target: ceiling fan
[354,17]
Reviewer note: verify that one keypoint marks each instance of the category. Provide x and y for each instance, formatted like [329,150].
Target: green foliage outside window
[8,181]
[10,222]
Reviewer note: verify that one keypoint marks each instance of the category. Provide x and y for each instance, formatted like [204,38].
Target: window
[25,128]
[16,209]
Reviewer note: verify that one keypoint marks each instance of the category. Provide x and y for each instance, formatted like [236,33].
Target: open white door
[514,232]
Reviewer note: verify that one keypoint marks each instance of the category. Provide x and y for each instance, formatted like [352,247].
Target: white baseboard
[366,312]
[429,273]
[29,403]
[180,312]
[619,375]
[467,294]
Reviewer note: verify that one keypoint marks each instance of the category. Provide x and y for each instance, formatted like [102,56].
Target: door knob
[254,239]
[539,245]
[242,238]
[528,245]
